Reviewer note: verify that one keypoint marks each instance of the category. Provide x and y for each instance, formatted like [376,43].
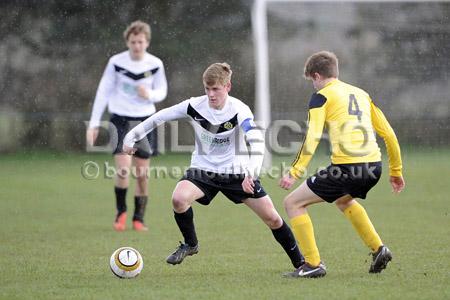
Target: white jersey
[220,144]
[118,87]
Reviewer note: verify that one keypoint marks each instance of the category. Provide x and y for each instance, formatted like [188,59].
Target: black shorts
[338,180]
[229,184]
[145,148]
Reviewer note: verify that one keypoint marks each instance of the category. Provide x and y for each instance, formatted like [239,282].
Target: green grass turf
[56,238]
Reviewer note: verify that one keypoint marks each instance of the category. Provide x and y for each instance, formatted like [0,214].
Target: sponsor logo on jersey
[228,125]
[215,140]
[129,89]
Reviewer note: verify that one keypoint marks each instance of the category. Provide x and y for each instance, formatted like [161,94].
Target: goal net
[397,51]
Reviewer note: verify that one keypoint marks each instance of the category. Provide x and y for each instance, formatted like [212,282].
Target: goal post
[262,93]
[262,80]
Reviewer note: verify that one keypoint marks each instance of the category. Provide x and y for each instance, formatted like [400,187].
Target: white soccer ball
[126,262]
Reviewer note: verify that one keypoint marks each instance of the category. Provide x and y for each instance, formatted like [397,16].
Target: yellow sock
[361,222]
[304,233]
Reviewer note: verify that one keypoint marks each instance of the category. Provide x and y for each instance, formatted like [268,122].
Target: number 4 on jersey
[352,102]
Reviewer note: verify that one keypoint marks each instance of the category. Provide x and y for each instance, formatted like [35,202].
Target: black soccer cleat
[180,253]
[308,271]
[380,259]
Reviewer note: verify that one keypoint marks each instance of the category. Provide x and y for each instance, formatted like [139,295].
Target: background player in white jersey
[220,162]
[132,83]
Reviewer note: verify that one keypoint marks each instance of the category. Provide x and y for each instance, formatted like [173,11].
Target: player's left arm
[255,139]
[158,91]
[384,129]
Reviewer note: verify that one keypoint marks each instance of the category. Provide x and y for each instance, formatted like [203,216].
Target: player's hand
[143,92]
[128,150]
[287,181]
[91,136]
[248,185]
[397,183]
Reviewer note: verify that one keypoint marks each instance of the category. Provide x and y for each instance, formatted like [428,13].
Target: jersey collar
[330,83]
[224,108]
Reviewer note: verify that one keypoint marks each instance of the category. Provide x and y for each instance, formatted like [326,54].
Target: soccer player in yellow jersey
[351,118]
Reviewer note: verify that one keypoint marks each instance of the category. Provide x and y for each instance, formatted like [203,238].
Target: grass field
[56,238]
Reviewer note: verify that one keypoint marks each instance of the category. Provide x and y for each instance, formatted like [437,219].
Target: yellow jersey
[351,119]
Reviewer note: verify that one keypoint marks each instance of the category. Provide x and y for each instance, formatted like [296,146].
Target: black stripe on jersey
[225,126]
[317,100]
[133,75]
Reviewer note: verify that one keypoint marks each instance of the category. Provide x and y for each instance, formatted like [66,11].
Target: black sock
[140,202]
[121,203]
[286,238]
[185,222]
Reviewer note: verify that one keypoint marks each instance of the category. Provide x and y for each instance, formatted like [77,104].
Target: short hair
[324,62]
[217,73]
[137,27]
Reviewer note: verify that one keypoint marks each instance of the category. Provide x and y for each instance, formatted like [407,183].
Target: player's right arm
[384,129]
[175,112]
[316,123]
[105,87]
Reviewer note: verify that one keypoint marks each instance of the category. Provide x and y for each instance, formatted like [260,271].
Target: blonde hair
[324,62]
[137,27]
[217,73]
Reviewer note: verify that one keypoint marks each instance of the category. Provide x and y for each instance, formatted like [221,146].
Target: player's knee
[274,221]
[179,202]
[288,203]
[123,173]
[141,172]
[340,206]
[343,203]
[141,178]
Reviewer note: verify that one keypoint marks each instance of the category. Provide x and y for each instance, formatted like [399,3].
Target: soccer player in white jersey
[220,162]
[133,81]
